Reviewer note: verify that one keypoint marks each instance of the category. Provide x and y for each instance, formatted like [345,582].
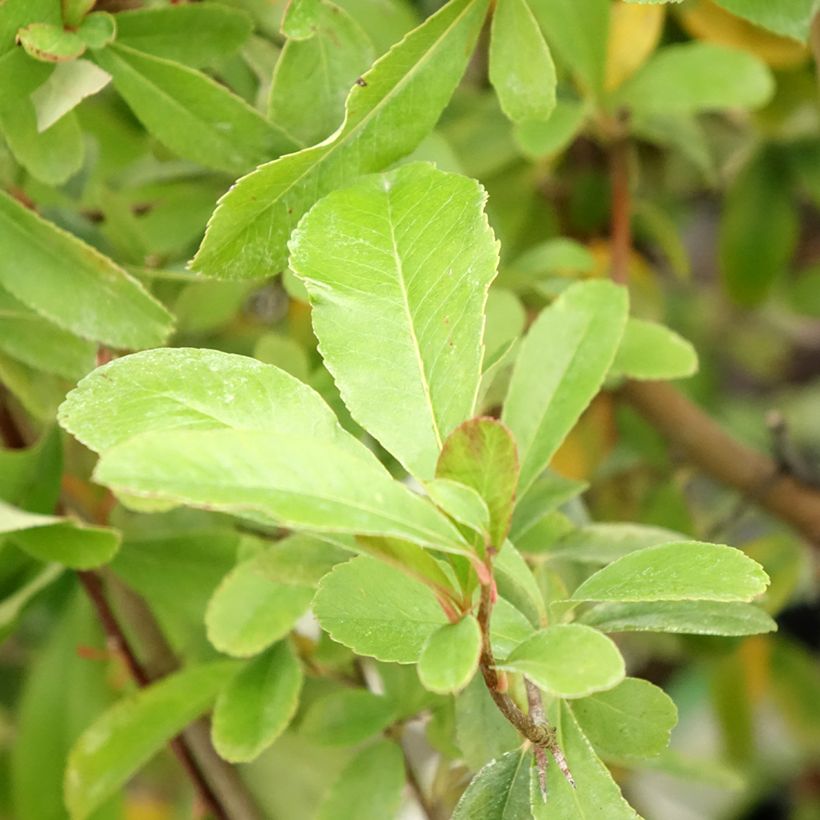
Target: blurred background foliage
[726,211]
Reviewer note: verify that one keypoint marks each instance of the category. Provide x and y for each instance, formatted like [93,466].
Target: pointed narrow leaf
[500,791]
[568,661]
[397,267]
[521,67]
[314,76]
[190,113]
[481,454]
[633,720]
[561,366]
[388,114]
[651,351]
[684,617]
[248,611]
[596,794]
[369,787]
[128,735]
[449,657]
[377,610]
[680,571]
[74,285]
[257,705]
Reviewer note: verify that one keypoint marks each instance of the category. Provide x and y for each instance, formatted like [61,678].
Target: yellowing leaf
[707,21]
[634,32]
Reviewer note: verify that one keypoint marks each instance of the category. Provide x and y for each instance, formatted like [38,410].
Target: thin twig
[621,218]
[118,644]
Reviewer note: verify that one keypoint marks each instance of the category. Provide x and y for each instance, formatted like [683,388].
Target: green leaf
[482,733]
[521,67]
[193,115]
[605,543]
[595,794]
[257,705]
[50,43]
[460,502]
[289,437]
[75,286]
[538,139]
[791,18]
[578,31]
[500,791]
[313,76]
[697,76]
[388,114]
[11,605]
[57,153]
[67,86]
[347,717]
[300,560]
[51,538]
[581,330]
[369,787]
[481,454]
[39,393]
[33,340]
[759,228]
[98,30]
[568,661]
[75,10]
[248,611]
[680,571]
[123,739]
[300,19]
[516,582]
[377,610]
[197,34]
[633,720]
[684,617]
[449,657]
[409,370]
[17,13]
[544,497]
[508,628]
[651,351]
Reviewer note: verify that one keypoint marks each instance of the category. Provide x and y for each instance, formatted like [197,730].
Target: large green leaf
[52,538]
[759,228]
[680,571]
[684,79]
[377,610]
[257,705]
[651,351]
[791,18]
[128,735]
[192,114]
[397,267]
[192,389]
[347,717]
[500,791]
[73,285]
[686,617]
[578,31]
[248,611]
[369,787]
[606,542]
[35,341]
[521,67]
[14,14]
[594,795]
[561,366]
[481,454]
[314,76]
[394,107]
[197,34]
[449,657]
[568,660]
[633,720]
